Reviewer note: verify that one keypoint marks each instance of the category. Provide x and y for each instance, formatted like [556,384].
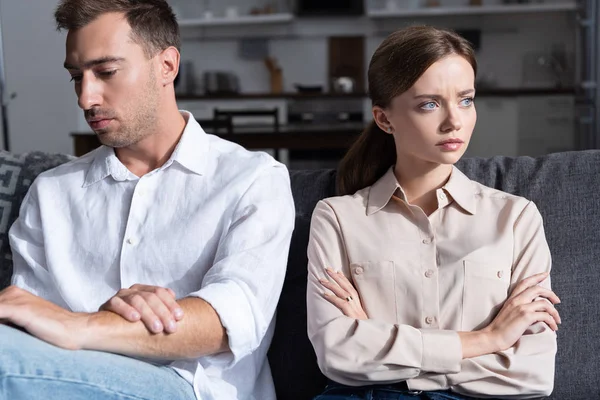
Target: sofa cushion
[17,172]
[291,356]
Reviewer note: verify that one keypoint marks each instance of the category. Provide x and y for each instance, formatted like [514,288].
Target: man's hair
[153,23]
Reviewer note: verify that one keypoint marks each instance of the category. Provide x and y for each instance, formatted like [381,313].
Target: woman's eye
[428,106]
[467,102]
[76,78]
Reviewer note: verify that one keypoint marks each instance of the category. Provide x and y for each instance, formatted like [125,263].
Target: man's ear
[169,65]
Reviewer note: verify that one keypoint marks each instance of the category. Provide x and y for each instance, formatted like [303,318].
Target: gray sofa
[565,187]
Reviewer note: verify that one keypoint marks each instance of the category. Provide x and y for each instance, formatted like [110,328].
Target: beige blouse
[421,279]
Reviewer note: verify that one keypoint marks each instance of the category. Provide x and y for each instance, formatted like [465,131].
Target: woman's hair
[396,65]
[153,24]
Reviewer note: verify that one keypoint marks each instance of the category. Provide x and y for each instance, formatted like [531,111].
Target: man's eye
[76,78]
[107,74]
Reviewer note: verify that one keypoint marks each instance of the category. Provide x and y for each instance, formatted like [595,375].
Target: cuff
[442,351]
[237,317]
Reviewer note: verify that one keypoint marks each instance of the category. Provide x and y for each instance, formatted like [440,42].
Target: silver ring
[349,299]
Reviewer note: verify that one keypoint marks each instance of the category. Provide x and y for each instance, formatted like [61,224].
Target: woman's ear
[381,119]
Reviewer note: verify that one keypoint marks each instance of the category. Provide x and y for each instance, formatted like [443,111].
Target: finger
[335,288]
[148,317]
[120,307]
[142,288]
[528,282]
[344,283]
[546,318]
[542,305]
[530,294]
[167,296]
[161,310]
[341,304]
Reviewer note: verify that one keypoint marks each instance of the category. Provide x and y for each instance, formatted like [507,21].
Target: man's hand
[154,306]
[42,319]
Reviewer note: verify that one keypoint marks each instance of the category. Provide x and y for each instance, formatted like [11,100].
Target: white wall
[505,42]
[45,111]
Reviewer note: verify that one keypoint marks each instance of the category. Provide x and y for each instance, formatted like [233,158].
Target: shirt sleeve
[245,281]
[526,370]
[363,352]
[30,270]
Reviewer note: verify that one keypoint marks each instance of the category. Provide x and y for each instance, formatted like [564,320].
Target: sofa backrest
[17,172]
[564,186]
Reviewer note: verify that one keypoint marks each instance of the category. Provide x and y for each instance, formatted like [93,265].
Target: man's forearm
[198,334]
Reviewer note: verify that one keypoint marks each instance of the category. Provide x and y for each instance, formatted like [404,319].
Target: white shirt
[215,222]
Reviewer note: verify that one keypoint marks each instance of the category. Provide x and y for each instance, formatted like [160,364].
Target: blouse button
[426,241]
[500,274]
[429,273]
[358,270]
[429,320]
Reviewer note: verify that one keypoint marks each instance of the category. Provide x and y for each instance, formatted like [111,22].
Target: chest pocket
[375,283]
[484,292]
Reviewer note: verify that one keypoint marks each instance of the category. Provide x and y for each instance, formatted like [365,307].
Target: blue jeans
[33,369]
[336,391]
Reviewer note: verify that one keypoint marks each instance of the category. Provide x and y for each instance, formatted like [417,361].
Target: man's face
[114,80]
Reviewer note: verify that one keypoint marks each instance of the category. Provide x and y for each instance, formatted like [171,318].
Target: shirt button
[500,274]
[130,241]
[429,320]
[426,241]
[429,273]
[442,196]
[358,270]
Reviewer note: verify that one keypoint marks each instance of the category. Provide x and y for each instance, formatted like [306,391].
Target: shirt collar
[191,153]
[193,148]
[382,191]
[461,189]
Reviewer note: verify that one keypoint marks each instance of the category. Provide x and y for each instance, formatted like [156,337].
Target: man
[196,228]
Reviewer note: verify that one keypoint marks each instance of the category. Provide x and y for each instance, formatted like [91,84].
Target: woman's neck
[420,182]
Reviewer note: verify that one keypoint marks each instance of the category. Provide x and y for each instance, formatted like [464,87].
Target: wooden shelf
[487,92]
[241,20]
[474,10]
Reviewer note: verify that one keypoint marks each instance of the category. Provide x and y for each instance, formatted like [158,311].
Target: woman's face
[432,122]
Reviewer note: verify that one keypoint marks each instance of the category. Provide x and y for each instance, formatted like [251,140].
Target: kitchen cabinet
[496,129]
[546,124]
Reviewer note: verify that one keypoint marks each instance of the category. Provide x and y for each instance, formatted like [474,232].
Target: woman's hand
[528,303]
[345,297]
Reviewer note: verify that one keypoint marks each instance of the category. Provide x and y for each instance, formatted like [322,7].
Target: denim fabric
[336,391]
[33,369]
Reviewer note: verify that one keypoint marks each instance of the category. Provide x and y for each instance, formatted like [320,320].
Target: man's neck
[155,150]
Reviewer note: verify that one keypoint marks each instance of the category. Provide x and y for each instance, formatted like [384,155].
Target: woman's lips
[450,145]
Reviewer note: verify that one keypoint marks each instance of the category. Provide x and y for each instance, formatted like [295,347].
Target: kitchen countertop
[300,136]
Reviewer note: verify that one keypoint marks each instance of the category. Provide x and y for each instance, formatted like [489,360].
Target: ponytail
[369,158]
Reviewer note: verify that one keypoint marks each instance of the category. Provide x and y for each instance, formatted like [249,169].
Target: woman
[443,289]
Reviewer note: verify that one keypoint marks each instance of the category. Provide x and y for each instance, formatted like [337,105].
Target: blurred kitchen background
[289,76]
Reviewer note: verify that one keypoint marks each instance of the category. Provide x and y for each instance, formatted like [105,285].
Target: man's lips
[97,123]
